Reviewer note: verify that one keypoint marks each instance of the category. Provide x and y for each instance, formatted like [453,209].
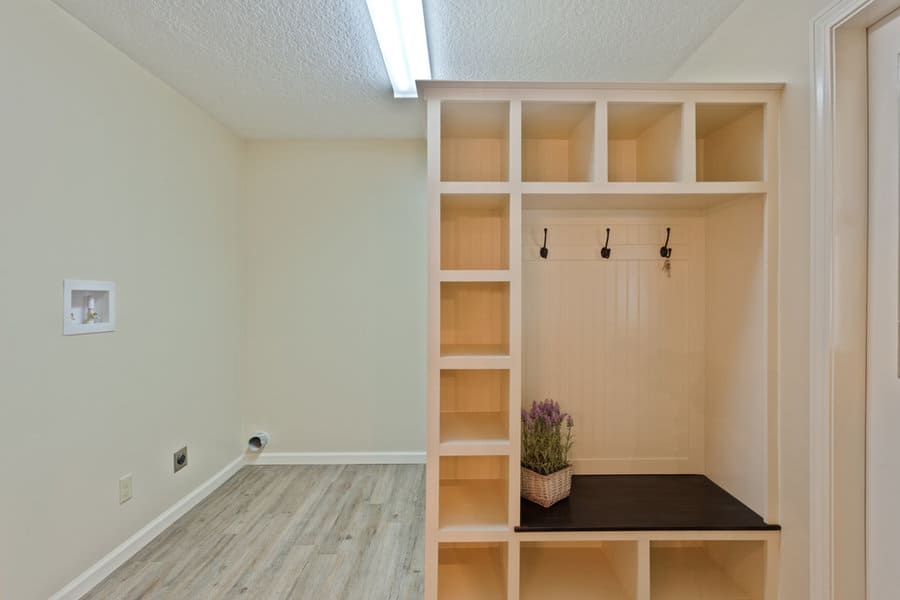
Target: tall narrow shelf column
[474,346]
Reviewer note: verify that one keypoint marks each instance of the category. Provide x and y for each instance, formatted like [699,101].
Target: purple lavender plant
[546,437]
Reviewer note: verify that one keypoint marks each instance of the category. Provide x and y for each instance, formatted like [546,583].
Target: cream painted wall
[768,40]
[736,403]
[335,277]
[107,173]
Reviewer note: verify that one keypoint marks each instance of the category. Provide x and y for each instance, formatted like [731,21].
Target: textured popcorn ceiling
[311,68]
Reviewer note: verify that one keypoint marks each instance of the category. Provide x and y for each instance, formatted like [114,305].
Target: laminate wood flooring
[345,532]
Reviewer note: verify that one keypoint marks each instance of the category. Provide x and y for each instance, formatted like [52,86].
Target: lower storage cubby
[578,571]
[474,493]
[472,571]
[719,570]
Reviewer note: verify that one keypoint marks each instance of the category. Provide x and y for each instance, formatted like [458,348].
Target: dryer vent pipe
[258,441]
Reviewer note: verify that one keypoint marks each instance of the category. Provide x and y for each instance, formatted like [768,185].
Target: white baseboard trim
[109,563]
[337,458]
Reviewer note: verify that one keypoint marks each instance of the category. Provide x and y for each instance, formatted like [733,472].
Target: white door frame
[838,264]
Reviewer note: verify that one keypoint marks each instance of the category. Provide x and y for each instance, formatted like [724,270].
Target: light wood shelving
[732,570]
[579,571]
[474,493]
[473,571]
[475,141]
[507,160]
[474,232]
[646,188]
[730,142]
[644,142]
[633,202]
[464,362]
[484,428]
[474,318]
[474,275]
[474,409]
[557,141]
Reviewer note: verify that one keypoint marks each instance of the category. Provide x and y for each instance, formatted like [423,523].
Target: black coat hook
[606,251]
[665,251]
[544,251]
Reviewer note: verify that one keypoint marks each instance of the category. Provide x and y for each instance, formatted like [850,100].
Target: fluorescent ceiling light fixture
[400,28]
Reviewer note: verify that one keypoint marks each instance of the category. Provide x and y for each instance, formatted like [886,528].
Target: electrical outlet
[125,489]
[180,459]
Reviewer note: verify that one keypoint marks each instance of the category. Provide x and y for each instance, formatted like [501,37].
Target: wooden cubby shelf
[484,429]
[730,142]
[472,571]
[474,275]
[474,350]
[718,570]
[648,202]
[476,362]
[474,493]
[474,318]
[646,189]
[474,232]
[557,141]
[475,141]
[664,350]
[474,407]
[644,142]
[578,570]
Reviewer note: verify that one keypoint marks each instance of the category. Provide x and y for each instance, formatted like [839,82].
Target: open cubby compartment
[558,141]
[474,318]
[474,406]
[474,141]
[644,141]
[474,493]
[472,571]
[730,142]
[718,570]
[664,367]
[474,231]
[578,570]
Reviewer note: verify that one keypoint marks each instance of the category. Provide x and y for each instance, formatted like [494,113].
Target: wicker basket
[546,490]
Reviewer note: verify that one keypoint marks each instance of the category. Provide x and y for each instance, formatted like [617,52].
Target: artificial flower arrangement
[547,439]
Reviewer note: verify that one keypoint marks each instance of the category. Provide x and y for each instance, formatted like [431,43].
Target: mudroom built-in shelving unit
[664,351]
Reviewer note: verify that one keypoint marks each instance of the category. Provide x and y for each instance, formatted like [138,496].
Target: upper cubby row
[643,142]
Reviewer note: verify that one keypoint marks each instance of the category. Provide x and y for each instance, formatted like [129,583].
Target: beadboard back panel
[620,343]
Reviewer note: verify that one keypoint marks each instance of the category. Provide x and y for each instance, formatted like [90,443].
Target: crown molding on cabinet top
[425,86]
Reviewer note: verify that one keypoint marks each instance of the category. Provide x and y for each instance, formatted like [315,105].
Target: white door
[883,402]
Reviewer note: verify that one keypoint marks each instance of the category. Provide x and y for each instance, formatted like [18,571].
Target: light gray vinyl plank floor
[343,532]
